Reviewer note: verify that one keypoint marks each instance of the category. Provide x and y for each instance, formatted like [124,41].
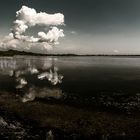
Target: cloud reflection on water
[19,69]
[33,93]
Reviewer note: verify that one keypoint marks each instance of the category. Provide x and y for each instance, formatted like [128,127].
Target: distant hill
[14,52]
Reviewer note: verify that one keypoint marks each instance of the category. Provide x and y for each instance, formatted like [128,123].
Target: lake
[83,77]
[31,84]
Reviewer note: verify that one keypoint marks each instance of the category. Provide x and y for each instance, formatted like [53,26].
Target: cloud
[116,51]
[52,35]
[73,32]
[32,18]
[26,18]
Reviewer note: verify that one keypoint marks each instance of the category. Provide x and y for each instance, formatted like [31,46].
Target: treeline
[15,52]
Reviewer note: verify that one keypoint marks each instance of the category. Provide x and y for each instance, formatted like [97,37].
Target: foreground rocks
[51,120]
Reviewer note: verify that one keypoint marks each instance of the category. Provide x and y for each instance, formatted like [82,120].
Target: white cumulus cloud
[26,18]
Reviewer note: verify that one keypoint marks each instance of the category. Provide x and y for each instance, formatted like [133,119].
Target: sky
[91,26]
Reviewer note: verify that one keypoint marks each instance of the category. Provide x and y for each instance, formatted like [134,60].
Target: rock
[49,136]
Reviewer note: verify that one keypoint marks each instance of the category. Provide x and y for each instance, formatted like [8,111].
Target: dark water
[100,75]
[83,77]
[89,82]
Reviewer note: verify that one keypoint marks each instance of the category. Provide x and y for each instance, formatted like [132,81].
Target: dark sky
[92,26]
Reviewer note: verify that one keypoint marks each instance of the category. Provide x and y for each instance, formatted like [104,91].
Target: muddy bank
[42,119]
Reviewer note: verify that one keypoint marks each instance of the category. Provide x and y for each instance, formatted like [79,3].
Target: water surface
[69,97]
[82,77]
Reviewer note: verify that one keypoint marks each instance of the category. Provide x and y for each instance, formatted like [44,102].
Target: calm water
[59,84]
[81,77]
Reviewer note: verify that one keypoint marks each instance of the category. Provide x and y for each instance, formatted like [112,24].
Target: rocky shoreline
[45,120]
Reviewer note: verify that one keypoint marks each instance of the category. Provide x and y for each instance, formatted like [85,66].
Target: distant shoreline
[14,52]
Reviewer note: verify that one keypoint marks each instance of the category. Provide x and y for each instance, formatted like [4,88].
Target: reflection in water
[33,92]
[42,69]
[53,77]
